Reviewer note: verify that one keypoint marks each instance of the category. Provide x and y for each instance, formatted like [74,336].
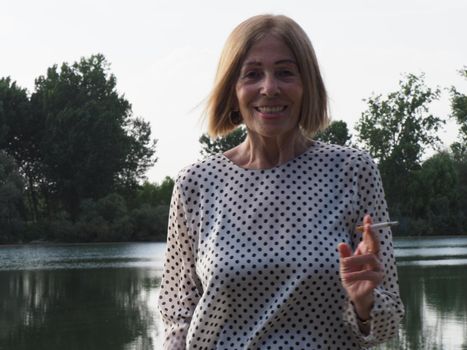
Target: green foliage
[222,144]
[436,187]
[14,115]
[92,140]
[459,106]
[399,128]
[11,199]
[140,153]
[459,113]
[79,149]
[111,218]
[104,220]
[154,194]
[20,135]
[150,222]
[336,133]
[459,151]
[111,207]
[151,210]
[396,130]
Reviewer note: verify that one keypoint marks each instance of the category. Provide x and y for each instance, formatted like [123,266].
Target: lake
[103,296]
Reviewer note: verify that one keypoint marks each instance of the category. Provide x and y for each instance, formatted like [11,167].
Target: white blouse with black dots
[252,259]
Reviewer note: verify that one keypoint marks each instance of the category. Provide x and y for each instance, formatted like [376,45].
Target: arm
[369,273]
[180,287]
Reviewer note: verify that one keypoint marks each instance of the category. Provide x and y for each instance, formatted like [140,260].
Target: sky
[164,53]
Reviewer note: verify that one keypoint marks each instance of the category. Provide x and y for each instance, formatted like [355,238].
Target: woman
[262,249]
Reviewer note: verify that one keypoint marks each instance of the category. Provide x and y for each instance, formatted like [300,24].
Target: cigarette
[378,225]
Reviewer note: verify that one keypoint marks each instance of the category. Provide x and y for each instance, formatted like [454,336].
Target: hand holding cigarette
[361,271]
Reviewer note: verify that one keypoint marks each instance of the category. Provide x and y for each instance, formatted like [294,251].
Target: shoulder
[352,160]
[192,174]
[339,152]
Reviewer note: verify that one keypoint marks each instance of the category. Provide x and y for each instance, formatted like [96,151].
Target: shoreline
[53,243]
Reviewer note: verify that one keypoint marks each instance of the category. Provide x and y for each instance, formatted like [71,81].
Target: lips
[270,109]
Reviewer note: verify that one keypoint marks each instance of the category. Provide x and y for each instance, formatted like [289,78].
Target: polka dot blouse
[252,260]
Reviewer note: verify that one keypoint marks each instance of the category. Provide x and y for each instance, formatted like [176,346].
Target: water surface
[92,296]
[103,296]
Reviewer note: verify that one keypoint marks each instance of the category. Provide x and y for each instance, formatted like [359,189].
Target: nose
[270,86]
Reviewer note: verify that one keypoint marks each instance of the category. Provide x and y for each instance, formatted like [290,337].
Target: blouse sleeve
[388,309]
[180,287]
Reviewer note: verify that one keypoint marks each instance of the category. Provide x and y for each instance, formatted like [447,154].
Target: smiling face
[269,89]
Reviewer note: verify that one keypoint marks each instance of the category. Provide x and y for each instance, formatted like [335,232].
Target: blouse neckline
[313,145]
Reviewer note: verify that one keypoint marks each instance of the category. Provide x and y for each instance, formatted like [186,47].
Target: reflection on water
[78,309]
[436,308]
[60,297]
[103,296]
[432,280]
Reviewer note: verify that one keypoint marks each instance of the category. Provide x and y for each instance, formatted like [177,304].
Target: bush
[150,223]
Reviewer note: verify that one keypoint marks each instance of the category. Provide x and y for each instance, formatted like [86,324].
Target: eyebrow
[256,63]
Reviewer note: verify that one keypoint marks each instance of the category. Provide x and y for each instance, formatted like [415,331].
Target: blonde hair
[314,110]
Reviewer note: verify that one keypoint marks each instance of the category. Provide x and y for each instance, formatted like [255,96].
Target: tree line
[73,159]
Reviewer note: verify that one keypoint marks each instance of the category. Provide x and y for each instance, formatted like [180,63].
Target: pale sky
[164,53]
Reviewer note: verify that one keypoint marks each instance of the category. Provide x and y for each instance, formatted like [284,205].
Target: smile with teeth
[270,109]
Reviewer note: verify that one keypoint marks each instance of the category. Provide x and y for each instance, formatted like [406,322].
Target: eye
[251,74]
[285,73]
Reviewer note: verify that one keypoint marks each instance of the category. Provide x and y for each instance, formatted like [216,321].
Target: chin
[277,132]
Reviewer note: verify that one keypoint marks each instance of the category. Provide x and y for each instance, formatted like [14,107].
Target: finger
[344,250]
[355,262]
[361,249]
[376,277]
[369,237]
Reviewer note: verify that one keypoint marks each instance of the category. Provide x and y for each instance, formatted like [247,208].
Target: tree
[221,144]
[396,130]
[140,153]
[155,194]
[459,148]
[11,199]
[20,135]
[336,133]
[91,141]
[400,127]
[437,196]
[459,106]
[459,113]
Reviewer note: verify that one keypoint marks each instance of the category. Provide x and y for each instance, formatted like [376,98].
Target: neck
[258,152]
